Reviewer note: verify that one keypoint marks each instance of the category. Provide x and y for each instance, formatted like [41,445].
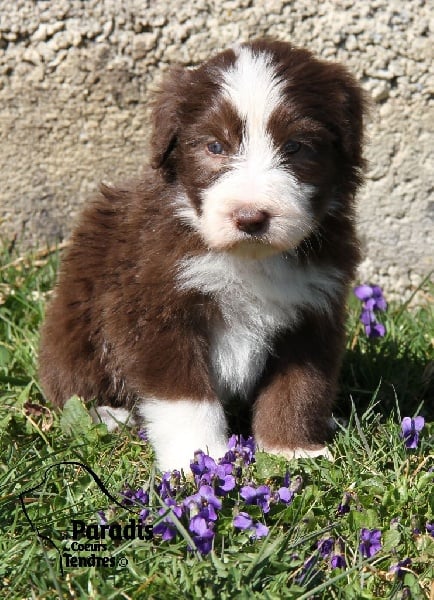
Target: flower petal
[285,495]
[419,423]
[406,425]
[363,292]
[261,530]
[242,521]
[338,562]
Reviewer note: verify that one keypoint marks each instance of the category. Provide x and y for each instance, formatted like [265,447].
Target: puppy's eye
[291,147]
[215,148]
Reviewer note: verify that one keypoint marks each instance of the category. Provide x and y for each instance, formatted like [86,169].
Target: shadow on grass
[402,378]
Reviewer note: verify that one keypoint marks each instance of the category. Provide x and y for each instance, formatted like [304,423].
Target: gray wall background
[75,78]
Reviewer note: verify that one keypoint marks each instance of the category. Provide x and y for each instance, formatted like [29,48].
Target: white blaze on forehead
[256,177]
[252,86]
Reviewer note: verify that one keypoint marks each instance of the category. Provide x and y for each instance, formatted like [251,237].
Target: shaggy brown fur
[120,329]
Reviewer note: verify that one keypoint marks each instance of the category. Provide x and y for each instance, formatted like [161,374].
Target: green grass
[391,488]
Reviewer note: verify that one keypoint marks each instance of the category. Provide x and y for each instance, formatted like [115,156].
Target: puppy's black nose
[251,220]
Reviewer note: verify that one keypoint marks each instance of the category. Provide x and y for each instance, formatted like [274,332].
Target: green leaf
[5,356]
[76,420]
[391,539]
[425,545]
[367,519]
[269,465]
[220,567]
[426,481]
[411,582]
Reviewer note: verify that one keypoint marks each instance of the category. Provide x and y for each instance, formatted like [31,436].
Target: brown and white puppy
[220,277]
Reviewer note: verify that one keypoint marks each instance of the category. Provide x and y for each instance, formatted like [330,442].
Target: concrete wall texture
[75,78]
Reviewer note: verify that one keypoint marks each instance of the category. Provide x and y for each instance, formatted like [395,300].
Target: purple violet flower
[240,449]
[259,496]
[166,528]
[170,484]
[224,481]
[372,296]
[206,471]
[338,562]
[199,522]
[430,528]
[204,502]
[344,506]
[144,514]
[372,327]
[244,522]
[410,430]
[204,534]
[326,546]
[202,467]
[142,434]
[373,301]
[284,495]
[102,518]
[139,497]
[259,531]
[202,513]
[400,568]
[370,542]
[127,496]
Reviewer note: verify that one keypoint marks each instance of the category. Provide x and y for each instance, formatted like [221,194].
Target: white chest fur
[257,299]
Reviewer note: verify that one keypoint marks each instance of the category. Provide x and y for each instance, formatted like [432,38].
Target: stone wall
[75,78]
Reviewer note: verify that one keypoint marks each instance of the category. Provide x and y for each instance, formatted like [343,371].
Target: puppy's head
[264,140]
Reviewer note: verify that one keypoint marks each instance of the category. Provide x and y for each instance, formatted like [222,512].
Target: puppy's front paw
[291,453]
[177,429]
[113,418]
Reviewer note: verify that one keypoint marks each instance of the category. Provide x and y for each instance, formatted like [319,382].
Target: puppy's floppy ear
[352,105]
[165,116]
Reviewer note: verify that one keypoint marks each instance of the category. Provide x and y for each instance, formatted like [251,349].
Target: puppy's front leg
[177,428]
[292,413]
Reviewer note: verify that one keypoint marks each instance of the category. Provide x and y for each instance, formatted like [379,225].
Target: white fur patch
[274,191]
[112,417]
[178,428]
[253,87]
[257,299]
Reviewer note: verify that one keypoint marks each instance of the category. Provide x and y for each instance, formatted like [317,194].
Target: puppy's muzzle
[251,220]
